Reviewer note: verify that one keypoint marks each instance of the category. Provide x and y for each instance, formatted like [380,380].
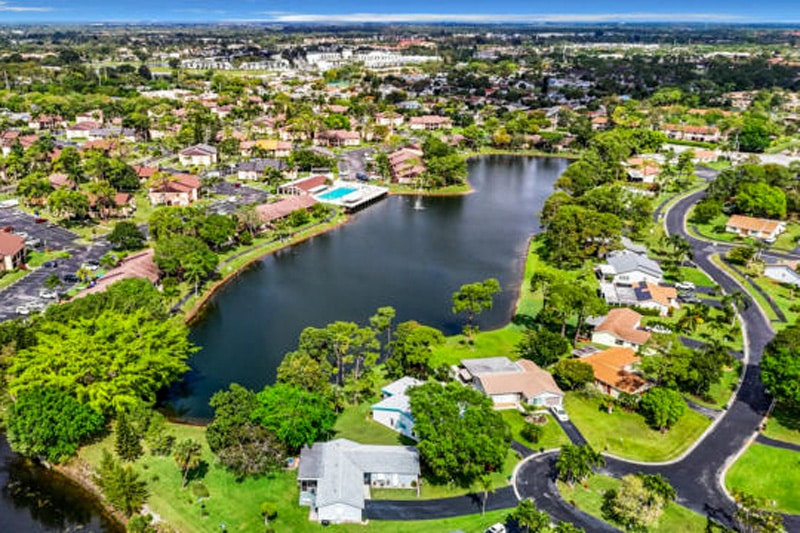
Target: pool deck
[363,195]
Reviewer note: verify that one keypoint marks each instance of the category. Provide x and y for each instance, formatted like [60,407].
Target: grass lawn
[713,328]
[674,519]
[769,473]
[552,434]
[760,300]
[355,423]
[784,424]
[36,259]
[7,278]
[627,435]
[786,298]
[720,393]
[713,230]
[236,503]
[787,241]
[694,275]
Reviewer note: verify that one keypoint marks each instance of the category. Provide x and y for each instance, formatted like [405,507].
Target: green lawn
[627,435]
[787,241]
[355,423]
[772,474]
[552,436]
[759,299]
[720,393]
[236,503]
[486,344]
[784,424]
[713,230]
[691,274]
[8,278]
[36,259]
[674,519]
[786,298]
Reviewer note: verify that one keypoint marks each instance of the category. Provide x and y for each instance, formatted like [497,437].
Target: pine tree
[127,443]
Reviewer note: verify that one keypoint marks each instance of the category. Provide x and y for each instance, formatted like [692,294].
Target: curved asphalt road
[697,477]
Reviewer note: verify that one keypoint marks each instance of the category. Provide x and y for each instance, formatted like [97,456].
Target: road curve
[697,477]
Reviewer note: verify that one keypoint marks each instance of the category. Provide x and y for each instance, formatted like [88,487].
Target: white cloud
[5,6]
[477,18]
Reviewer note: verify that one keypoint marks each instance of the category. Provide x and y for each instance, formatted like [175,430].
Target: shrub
[531,432]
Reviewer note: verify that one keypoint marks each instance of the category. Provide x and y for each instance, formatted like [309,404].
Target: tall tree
[461,436]
[126,442]
[474,298]
[528,518]
[187,454]
[576,463]
[121,485]
[410,351]
[662,407]
[297,417]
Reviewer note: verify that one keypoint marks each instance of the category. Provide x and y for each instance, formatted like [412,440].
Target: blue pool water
[336,193]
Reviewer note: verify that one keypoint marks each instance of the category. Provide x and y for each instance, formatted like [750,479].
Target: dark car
[40,220]
[71,278]
[361,176]
[50,264]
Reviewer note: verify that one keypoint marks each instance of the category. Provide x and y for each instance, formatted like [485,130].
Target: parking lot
[26,291]
[236,197]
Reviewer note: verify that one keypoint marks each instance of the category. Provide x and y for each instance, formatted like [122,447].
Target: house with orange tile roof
[621,327]
[511,384]
[274,211]
[180,189]
[614,371]
[12,251]
[760,228]
[642,170]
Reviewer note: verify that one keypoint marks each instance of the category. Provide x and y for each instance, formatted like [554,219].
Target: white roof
[401,385]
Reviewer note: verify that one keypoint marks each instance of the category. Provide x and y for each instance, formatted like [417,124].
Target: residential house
[600,123]
[335,476]
[12,251]
[274,211]
[338,138]
[760,228]
[47,122]
[266,147]
[180,190]
[198,155]
[124,206]
[394,410]
[94,116]
[621,327]
[406,164]
[511,384]
[430,123]
[686,132]
[643,294]
[705,156]
[642,170]
[144,173]
[81,130]
[614,371]
[139,265]
[389,119]
[626,267]
[256,168]
[60,181]
[785,272]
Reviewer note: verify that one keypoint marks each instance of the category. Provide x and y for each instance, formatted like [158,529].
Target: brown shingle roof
[283,207]
[752,224]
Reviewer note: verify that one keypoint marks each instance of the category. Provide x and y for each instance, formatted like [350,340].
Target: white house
[198,155]
[621,327]
[510,384]
[335,476]
[783,273]
[394,410]
[626,267]
[761,228]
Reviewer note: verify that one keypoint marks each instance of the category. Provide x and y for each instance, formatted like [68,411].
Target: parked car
[688,299]
[40,220]
[50,264]
[496,528]
[8,229]
[34,242]
[37,306]
[49,294]
[22,310]
[685,286]
[559,413]
[361,176]
[71,278]
[92,265]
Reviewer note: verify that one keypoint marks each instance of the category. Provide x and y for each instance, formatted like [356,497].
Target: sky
[345,11]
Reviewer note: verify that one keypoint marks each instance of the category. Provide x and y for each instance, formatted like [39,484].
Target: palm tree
[188,457]
[575,463]
[732,302]
[695,315]
[485,484]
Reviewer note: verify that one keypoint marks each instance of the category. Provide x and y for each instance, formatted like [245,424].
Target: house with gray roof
[335,476]
[394,410]
[627,268]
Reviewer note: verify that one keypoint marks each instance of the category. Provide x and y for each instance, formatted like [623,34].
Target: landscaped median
[755,295]
[768,473]
[589,499]
[627,435]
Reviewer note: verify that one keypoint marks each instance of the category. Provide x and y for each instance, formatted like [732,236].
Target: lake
[406,252]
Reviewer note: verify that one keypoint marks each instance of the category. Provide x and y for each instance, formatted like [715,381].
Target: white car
[559,412]
[496,528]
[47,293]
[685,286]
[22,310]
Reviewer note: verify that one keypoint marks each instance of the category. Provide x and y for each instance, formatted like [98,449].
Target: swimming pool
[336,193]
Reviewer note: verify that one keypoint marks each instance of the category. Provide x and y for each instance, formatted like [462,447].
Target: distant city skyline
[410,11]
